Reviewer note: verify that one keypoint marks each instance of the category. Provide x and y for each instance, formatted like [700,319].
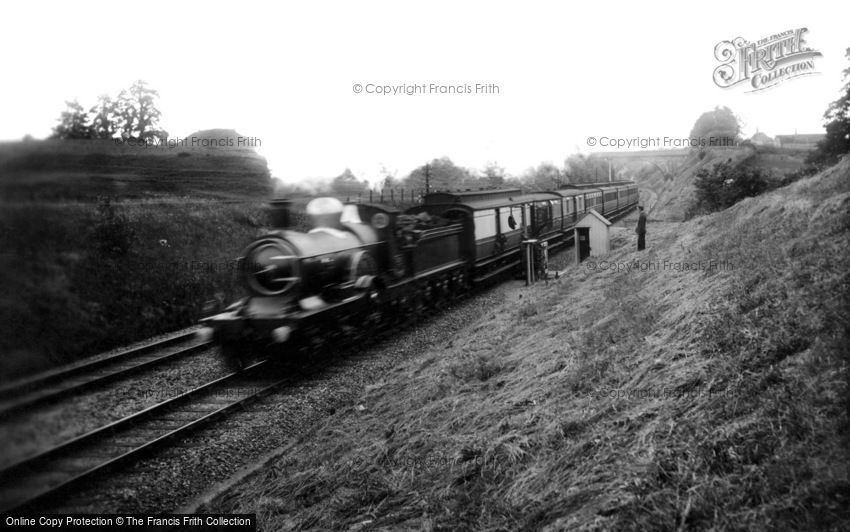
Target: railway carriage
[608,199]
[496,222]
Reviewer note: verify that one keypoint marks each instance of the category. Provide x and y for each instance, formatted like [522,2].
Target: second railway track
[38,478]
[82,376]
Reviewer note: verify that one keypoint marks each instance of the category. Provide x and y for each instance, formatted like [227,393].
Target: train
[366,265]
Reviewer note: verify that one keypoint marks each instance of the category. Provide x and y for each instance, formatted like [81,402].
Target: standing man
[641,229]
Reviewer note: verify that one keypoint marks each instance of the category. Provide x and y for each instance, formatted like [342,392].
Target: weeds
[84,279]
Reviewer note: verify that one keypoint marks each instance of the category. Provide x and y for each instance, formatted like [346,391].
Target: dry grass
[673,180]
[655,399]
[76,279]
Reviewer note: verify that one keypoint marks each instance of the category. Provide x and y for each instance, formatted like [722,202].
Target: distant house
[761,139]
[807,141]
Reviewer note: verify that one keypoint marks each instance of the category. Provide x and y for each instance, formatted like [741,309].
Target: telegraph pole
[427,180]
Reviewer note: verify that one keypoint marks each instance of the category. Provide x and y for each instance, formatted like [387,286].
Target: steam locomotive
[362,266]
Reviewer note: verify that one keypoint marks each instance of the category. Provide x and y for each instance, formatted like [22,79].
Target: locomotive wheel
[415,307]
[373,313]
[457,287]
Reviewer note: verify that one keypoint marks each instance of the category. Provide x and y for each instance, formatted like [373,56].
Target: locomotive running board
[336,305]
[439,269]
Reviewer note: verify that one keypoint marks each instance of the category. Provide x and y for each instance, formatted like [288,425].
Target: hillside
[672,180]
[703,385]
[53,170]
[104,244]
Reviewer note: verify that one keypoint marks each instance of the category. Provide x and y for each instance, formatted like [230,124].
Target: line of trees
[133,114]
[443,174]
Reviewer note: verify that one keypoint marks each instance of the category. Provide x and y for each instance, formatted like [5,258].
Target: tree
[725,184]
[719,127]
[546,176]
[389,180]
[582,169]
[837,115]
[138,116]
[73,123]
[346,184]
[494,175]
[132,115]
[443,174]
[104,117]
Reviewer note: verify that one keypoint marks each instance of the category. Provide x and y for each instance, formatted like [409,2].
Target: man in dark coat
[641,229]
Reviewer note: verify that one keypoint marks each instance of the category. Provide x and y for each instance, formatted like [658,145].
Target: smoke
[307,187]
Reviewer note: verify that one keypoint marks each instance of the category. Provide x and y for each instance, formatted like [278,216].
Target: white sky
[283,72]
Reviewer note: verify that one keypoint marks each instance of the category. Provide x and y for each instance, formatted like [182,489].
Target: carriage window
[542,216]
[505,214]
[485,224]
[556,209]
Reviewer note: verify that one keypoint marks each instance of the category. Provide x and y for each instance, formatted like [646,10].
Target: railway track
[37,479]
[34,481]
[76,378]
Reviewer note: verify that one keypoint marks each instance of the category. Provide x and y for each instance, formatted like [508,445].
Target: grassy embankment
[673,180]
[103,245]
[653,398]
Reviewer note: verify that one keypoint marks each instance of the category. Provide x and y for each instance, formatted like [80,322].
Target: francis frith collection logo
[765,63]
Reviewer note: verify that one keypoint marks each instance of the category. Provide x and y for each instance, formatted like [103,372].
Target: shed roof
[593,214]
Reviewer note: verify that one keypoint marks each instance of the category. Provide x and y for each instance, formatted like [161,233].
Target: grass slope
[83,170]
[104,244]
[673,181]
[654,398]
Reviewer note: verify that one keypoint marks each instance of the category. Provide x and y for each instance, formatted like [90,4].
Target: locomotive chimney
[279,213]
[325,212]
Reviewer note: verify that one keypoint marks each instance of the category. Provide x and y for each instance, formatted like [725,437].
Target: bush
[724,185]
[82,278]
[806,171]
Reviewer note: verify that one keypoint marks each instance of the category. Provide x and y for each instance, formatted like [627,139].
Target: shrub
[806,171]
[724,185]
